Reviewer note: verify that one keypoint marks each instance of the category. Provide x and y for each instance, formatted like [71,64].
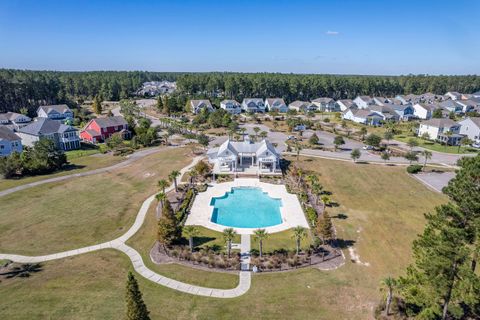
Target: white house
[198,105]
[387,112]
[453,95]
[9,142]
[55,112]
[245,156]
[363,116]
[64,136]
[470,127]
[363,102]
[276,104]
[437,129]
[325,104]
[253,105]
[345,104]
[302,106]
[231,106]
[423,110]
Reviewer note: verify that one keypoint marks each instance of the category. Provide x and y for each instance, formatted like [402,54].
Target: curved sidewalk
[136,258]
[130,159]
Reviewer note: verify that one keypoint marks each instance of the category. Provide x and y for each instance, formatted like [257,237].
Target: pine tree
[136,308]
[325,227]
[168,230]
[166,107]
[440,281]
[97,105]
[159,104]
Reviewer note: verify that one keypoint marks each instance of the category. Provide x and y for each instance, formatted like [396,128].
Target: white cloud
[332,33]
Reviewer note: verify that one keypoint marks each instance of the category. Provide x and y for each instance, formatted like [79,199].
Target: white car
[291,138]
[367,148]
[476,145]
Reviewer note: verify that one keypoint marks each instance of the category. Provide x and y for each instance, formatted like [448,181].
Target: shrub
[414,168]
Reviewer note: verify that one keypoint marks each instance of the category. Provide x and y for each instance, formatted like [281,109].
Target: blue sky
[341,37]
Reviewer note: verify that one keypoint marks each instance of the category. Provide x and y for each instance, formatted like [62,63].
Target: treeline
[20,88]
[29,89]
[306,87]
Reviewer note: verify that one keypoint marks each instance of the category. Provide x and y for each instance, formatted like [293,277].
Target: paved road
[435,180]
[136,258]
[130,159]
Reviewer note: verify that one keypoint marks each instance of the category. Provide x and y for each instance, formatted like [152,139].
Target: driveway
[435,180]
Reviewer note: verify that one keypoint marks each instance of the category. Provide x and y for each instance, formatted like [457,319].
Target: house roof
[449,104]
[198,103]
[299,104]
[110,121]
[244,147]
[11,116]
[271,101]
[364,113]
[323,100]
[254,100]
[365,98]
[230,101]
[427,106]
[7,134]
[42,126]
[60,108]
[440,122]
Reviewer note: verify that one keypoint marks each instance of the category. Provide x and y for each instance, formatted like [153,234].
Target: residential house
[276,104]
[470,127]
[14,118]
[443,130]
[55,112]
[467,105]
[364,116]
[386,112]
[405,112]
[198,105]
[451,106]
[231,106]
[245,156]
[424,110]
[100,129]
[253,105]
[345,104]
[64,136]
[380,101]
[154,88]
[9,142]
[453,95]
[325,104]
[302,106]
[363,102]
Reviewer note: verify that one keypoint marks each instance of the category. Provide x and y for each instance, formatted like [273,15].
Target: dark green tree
[168,229]
[373,140]
[136,308]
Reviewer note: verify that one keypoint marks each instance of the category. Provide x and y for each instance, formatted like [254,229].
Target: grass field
[82,211]
[435,146]
[78,164]
[382,210]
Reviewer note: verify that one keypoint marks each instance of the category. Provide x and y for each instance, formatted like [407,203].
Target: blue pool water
[246,208]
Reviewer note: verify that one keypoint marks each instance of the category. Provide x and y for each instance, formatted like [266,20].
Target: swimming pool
[246,207]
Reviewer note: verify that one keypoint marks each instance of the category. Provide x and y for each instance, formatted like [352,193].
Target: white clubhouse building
[245,157]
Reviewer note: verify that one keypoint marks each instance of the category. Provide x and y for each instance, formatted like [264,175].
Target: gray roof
[11,116]
[198,103]
[475,120]
[271,101]
[230,101]
[300,104]
[440,122]
[7,134]
[427,106]
[244,147]
[254,100]
[323,100]
[60,108]
[110,121]
[42,126]
[364,113]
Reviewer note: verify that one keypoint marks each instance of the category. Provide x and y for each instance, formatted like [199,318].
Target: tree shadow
[202,240]
[340,216]
[285,165]
[23,271]
[343,244]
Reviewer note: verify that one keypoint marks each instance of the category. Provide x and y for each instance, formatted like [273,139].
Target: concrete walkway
[130,159]
[136,258]
[245,252]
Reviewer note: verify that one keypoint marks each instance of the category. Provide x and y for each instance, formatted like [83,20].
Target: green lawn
[281,240]
[435,146]
[77,164]
[81,211]
[382,210]
[145,238]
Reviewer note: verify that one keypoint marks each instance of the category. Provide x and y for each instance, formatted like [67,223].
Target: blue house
[9,142]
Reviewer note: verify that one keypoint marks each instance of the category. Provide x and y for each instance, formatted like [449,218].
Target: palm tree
[312,179]
[163,184]
[173,177]
[260,235]
[326,200]
[228,235]
[193,176]
[427,155]
[263,134]
[242,130]
[298,148]
[256,130]
[465,141]
[317,190]
[299,233]
[161,196]
[191,232]
[390,284]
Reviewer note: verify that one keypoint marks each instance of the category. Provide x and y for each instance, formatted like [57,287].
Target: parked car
[476,145]
[291,138]
[368,148]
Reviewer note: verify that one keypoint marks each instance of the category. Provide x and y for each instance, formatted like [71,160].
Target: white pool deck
[291,210]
